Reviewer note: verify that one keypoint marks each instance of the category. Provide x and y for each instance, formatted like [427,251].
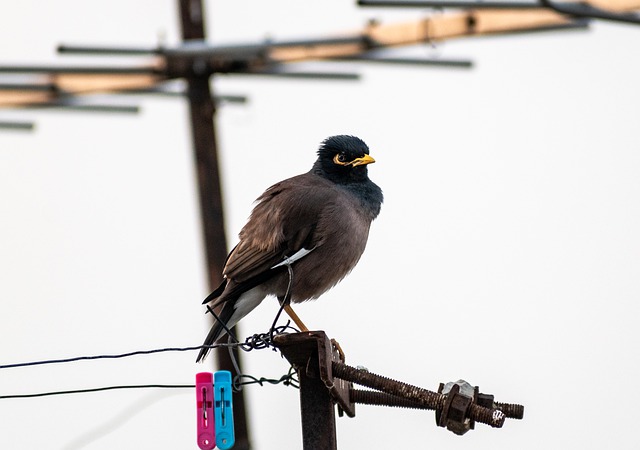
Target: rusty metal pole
[311,353]
[317,412]
[202,108]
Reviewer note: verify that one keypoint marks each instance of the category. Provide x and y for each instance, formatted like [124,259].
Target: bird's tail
[237,301]
[219,328]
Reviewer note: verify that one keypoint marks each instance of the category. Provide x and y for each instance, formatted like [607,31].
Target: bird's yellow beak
[366,159]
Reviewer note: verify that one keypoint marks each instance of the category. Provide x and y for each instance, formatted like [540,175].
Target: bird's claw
[336,347]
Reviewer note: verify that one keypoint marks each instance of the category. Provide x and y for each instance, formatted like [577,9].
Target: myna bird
[313,226]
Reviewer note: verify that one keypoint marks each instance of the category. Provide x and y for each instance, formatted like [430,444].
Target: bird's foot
[336,346]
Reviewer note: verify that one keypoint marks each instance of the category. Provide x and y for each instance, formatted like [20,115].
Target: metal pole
[318,414]
[311,353]
[202,110]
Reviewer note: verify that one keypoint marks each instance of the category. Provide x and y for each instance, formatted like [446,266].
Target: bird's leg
[291,313]
[286,300]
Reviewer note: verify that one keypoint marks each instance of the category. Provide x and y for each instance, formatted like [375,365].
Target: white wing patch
[295,257]
[246,303]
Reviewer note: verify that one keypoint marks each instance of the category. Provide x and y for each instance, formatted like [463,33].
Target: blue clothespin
[223,409]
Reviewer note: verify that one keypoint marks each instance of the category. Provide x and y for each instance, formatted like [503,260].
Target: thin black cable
[259,341]
[264,341]
[289,379]
[232,356]
[114,356]
[285,301]
[255,342]
[107,388]
[221,322]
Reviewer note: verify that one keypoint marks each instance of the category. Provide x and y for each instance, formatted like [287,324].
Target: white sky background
[506,253]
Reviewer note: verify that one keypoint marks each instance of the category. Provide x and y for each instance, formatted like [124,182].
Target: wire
[115,356]
[263,340]
[222,323]
[254,342]
[257,341]
[289,379]
[285,300]
[107,388]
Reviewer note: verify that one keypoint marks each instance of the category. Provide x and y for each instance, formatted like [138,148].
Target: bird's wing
[282,223]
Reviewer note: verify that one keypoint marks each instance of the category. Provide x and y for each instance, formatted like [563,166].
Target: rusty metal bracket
[314,352]
[312,355]
[458,405]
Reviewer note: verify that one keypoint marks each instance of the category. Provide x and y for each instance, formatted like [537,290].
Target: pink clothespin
[206,419]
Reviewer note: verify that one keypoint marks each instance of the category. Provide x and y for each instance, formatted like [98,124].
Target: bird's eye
[341,159]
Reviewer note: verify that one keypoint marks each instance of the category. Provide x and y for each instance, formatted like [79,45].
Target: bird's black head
[343,159]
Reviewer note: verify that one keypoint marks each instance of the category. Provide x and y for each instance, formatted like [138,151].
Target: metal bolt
[428,399]
[367,397]
[511,410]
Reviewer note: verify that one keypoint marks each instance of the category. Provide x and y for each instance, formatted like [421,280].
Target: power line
[255,342]
[100,389]
[112,356]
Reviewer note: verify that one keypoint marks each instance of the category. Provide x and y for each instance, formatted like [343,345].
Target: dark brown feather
[283,221]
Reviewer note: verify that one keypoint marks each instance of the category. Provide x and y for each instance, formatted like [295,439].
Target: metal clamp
[457,405]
